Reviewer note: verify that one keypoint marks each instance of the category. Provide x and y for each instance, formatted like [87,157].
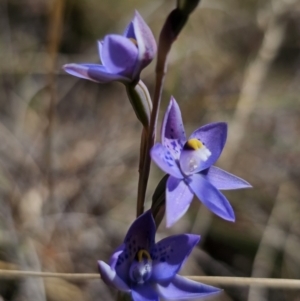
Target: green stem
[141,187]
[172,27]
[140,99]
[144,175]
[164,46]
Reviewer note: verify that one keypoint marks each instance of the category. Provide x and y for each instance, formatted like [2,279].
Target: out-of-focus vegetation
[69,148]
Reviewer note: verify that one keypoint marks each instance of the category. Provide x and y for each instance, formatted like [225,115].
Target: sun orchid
[189,164]
[148,270]
[123,56]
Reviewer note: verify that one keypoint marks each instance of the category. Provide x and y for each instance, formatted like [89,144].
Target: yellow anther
[143,254]
[133,41]
[194,144]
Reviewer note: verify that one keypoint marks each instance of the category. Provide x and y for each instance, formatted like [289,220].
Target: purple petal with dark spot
[119,55]
[224,180]
[140,235]
[169,255]
[178,199]
[174,146]
[172,127]
[211,197]
[164,159]
[183,288]
[213,136]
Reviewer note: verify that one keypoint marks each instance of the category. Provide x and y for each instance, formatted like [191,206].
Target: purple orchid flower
[123,57]
[148,271]
[189,164]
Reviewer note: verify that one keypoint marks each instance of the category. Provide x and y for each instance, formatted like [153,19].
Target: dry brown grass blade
[214,280]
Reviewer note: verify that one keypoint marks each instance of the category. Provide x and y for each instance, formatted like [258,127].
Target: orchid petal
[119,55]
[110,277]
[172,127]
[93,72]
[213,136]
[144,293]
[129,31]
[183,288]
[141,232]
[100,48]
[164,159]
[224,180]
[169,255]
[174,146]
[139,236]
[211,197]
[146,43]
[178,199]
[115,256]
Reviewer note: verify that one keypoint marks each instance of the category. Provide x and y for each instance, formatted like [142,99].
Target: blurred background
[69,148]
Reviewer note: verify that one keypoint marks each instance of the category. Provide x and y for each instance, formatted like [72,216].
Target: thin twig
[247,281]
[54,36]
[12,274]
[214,280]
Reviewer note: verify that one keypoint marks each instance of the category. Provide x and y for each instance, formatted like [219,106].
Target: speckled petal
[172,131]
[213,136]
[164,159]
[119,55]
[174,146]
[211,197]
[147,47]
[93,72]
[224,180]
[178,199]
[144,292]
[140,235]
[169,255]
[110,277]
[181,288]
